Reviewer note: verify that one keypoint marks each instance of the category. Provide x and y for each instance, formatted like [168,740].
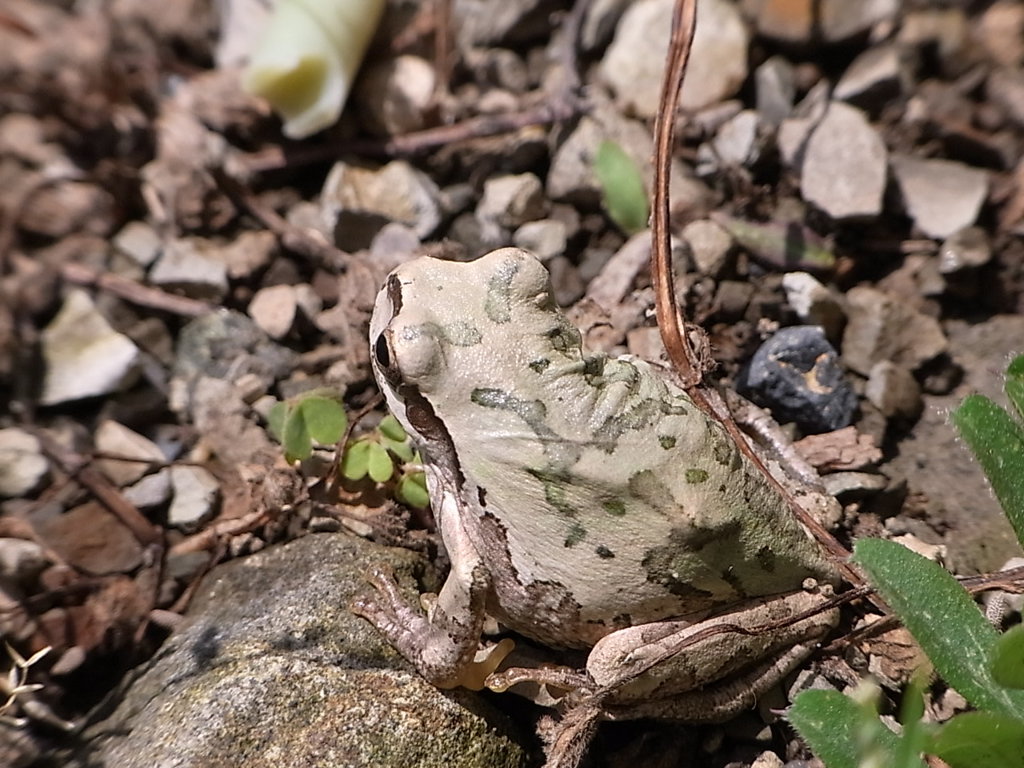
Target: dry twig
[136,293]
[688,362]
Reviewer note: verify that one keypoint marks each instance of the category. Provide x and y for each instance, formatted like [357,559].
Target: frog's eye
[381,352]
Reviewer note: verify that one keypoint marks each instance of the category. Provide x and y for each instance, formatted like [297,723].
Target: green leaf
[379,467]
[1007,663]
[916,732]
[295,437]
[356,461]
[622,186]
[785,245]
[1015,384]
[943,619]
[276,418]
[401,449]
[412,490]
[833,725]
[324,416]
[981,740]
[997,441]
[391,429]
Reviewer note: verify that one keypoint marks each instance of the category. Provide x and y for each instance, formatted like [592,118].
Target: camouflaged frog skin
[577,494]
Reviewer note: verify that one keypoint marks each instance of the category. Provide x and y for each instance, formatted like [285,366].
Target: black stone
[797,376]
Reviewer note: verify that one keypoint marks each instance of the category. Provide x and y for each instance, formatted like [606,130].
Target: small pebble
[941,196]
[84,356]
[22,463]
[796,374]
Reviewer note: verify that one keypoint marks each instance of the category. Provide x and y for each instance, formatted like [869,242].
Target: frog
[586,504]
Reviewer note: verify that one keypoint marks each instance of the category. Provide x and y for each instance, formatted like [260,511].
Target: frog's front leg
[442,644]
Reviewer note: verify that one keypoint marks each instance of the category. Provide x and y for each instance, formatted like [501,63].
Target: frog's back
[621,503]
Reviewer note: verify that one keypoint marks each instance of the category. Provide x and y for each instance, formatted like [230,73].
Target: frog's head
[430,311]
[441,330]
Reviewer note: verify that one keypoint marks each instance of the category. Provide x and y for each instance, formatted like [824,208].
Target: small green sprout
[622,187]
[317,415]
[382,454]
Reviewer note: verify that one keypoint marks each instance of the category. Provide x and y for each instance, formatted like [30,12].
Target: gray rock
[215,352]
[139,241]
[356,202]
[393,95]
[394,245]
[252,252]
[775,82]
[599,22]
[21,561]
[709,245]
[796,374]
[844,165]
[151,491]
[794,131]
[546,238]
[894,391]
[874,77]
[634,62]
[881,327]
[966,249]
[736,143]
[22,463]
[944,29]
[227,345]
[813,303]
[270,669]
[184,267]
[114,438]
[941,196]
[840,19]
[1000,29]
[195,491]
[486,22]
[84,356]
[510,201]
[1005,87]
[274,309]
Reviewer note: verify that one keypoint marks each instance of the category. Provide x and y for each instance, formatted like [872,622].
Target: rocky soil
[848,214]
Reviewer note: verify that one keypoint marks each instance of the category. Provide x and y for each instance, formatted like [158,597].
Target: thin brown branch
[101,488]
[412,143]
[136,293]
[567,54]
[670,317]
[444,50]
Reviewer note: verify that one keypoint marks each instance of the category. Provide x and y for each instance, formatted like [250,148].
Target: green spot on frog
[458,334]
[696,476]
[646,487]
[725,452]
[565,336]
[555,490]
[577,533]
[498,304]
[666,441]
[642,415]
[615,507]
[603,552]
[540,365]
[534,413]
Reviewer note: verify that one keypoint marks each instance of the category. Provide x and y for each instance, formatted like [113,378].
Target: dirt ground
[171,266]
